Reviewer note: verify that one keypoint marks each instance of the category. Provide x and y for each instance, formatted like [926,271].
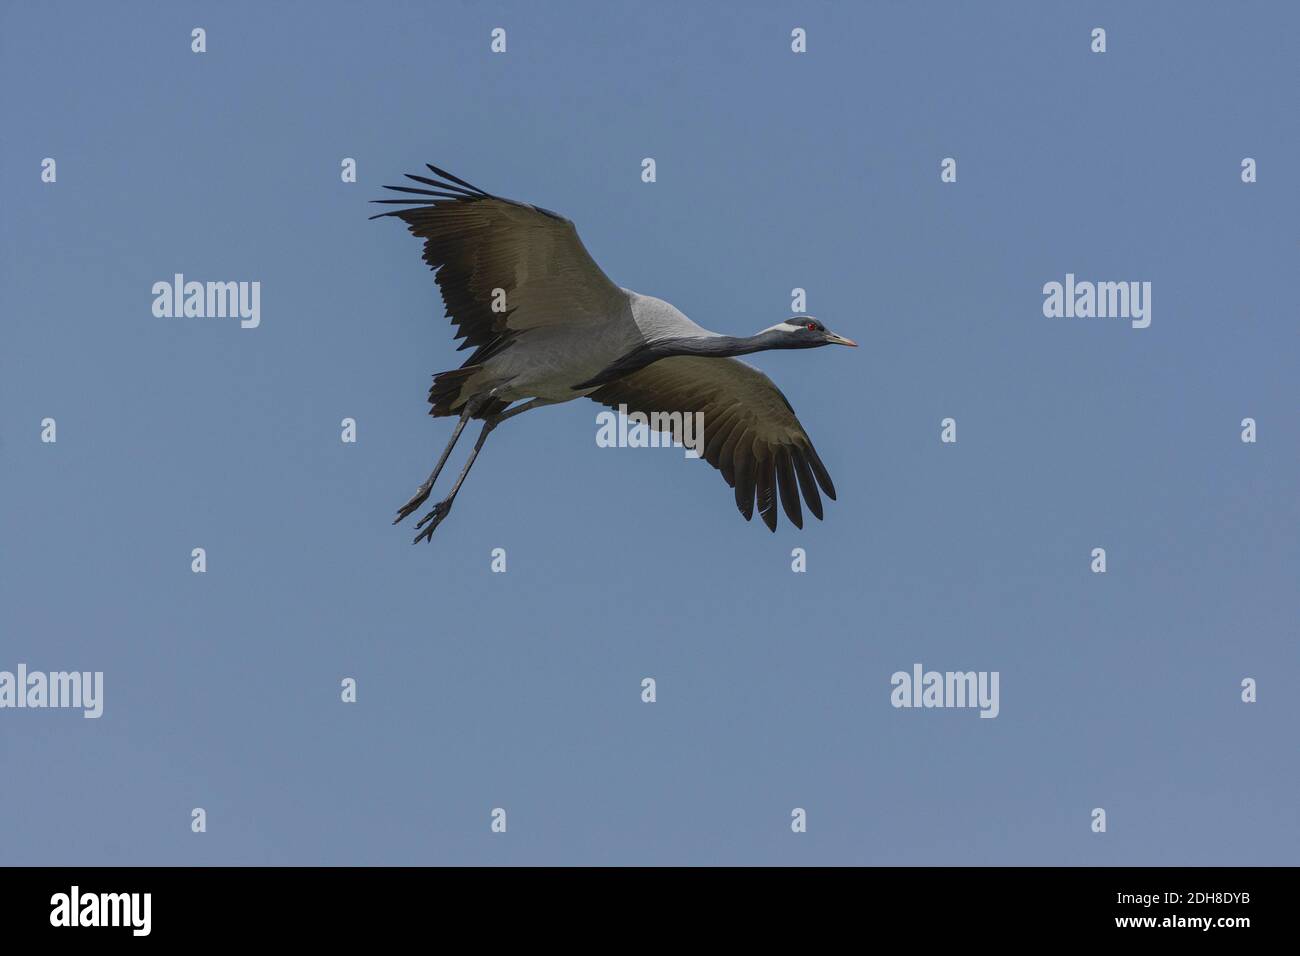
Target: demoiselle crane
[548,326]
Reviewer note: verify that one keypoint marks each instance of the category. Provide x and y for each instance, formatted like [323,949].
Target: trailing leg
[430,521]
[422,493]
[443,508]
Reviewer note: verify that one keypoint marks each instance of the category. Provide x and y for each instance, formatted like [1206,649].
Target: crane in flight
[548,326]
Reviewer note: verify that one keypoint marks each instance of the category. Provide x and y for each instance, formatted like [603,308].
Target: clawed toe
[420,497]
[433,519]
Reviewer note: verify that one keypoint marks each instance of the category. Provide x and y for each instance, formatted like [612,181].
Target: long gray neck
[712,346]
[719,346]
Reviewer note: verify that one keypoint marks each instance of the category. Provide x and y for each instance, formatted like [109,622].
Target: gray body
[551,362]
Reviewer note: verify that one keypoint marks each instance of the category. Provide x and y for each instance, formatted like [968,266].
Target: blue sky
[522,690]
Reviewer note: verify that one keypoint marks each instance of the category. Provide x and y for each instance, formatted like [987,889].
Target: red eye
[810,327]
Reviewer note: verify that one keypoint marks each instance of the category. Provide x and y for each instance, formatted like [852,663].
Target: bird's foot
[421,495]
[433,518]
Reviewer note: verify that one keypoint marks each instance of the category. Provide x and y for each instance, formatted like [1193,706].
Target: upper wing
[751,434]
[478,243]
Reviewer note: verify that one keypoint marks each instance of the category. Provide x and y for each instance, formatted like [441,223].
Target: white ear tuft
[783,327]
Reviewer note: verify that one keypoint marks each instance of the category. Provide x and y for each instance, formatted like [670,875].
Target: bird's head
[803,332]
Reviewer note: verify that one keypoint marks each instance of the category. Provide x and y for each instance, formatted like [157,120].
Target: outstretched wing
[751,433]
[478,244]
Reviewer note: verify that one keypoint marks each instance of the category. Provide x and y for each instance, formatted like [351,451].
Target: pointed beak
[834,339]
